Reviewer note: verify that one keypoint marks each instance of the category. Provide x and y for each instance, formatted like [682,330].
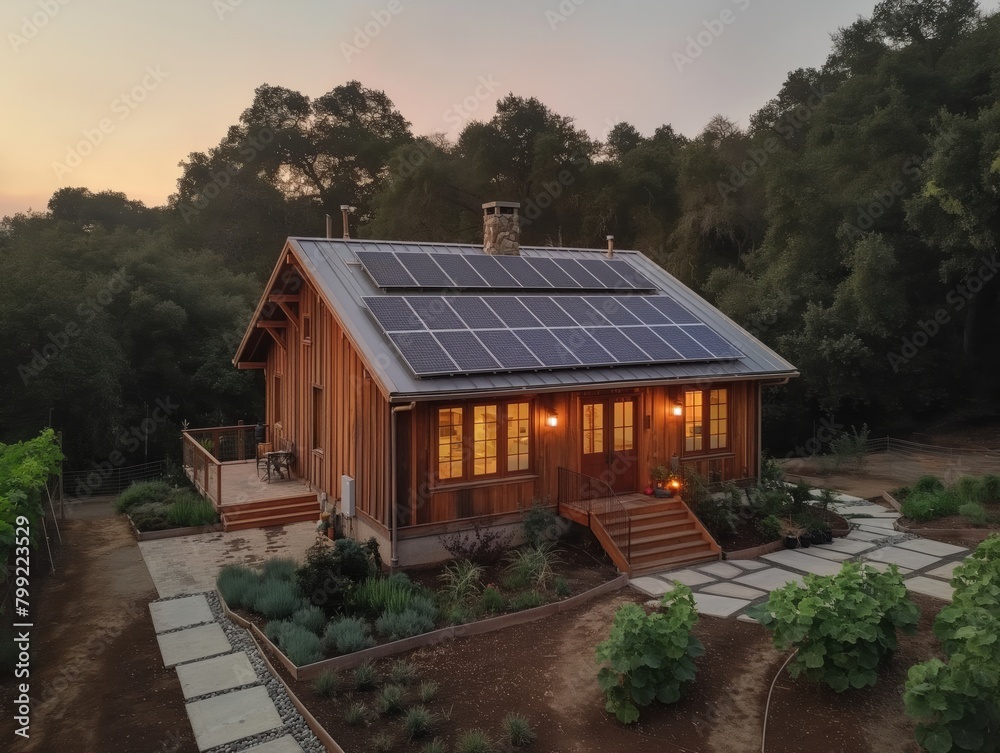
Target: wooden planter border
[171,533]
[972,534]
[756,551]
[349,661]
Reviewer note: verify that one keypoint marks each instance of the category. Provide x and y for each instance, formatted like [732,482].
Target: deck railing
[227,444]
[202,467]
[602,505]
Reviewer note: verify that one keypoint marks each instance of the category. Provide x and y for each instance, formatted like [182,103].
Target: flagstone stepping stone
[651,586]
[718,606]
[228,717]
[945,571]
[747,618]
[935,548]
[933,587]
[747,564]
[804,561]
[849,547]
[874,511]
[902,557]
[687,577]
[883,566]
[884,524]
[770,579]
[857,534]
[721,570]
[284,744]
[733,590]
[212,675]
[193,643]
[179,613]
[825,552]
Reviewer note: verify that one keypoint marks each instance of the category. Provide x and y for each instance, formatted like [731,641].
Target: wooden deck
[241,484]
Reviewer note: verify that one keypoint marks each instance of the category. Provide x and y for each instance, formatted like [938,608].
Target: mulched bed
[747,536]
[546,671]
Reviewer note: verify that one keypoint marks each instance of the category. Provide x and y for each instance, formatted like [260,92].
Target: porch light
[677,410]
[552,419]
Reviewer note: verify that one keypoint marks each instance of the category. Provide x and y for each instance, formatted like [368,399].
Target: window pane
[517,436]
[718,428]
[693,421]
[484,446]
[450,443]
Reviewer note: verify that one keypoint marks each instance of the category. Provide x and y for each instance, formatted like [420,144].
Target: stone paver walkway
[726,589]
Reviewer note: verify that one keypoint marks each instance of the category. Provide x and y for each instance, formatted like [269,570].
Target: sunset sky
[75,70]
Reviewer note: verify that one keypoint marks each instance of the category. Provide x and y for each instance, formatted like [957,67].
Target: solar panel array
[442,335]
[466,272]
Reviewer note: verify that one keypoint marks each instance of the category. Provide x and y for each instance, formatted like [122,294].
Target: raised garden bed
[967,510]
[171,533]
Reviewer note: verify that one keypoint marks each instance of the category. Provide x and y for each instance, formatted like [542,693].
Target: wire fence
[108,481]
[906,461]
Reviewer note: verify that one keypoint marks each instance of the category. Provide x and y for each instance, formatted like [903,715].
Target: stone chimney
[501,228]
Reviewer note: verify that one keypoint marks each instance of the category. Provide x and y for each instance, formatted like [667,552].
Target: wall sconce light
[552,419]
[677,410]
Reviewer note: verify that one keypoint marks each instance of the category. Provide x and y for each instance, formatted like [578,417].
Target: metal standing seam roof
[340,279]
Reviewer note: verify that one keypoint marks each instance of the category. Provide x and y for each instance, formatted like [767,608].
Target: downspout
[394,561]
[760,430]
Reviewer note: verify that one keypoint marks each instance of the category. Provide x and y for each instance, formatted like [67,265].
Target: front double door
[610,450]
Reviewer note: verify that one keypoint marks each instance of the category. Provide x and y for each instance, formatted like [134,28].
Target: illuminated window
[693,426]
[593,428]
[450,443]
[624,427]
[484,440]
[718,420]
[517,437]
[700,423]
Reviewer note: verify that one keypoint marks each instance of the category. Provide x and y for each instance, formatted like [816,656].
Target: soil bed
[748,537]
[546,671]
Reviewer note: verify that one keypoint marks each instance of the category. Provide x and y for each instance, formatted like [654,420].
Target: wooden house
[427,388]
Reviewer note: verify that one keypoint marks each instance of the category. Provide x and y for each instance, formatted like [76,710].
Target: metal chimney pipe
[329,226]
[345,209]
[611,247]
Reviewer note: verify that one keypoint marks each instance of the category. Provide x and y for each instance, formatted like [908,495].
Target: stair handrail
[621,518]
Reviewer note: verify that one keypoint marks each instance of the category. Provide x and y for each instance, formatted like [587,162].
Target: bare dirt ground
[97,680]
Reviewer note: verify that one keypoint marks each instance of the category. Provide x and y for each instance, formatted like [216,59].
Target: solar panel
[629,273]
[553,273]
[712,341]
[599,268]
[643,311]
[475,313]
[466,350]
[385,269]
[514,313]
[434,312]
[575,270]
[584,347]
[583,312]
[617,344]
[511,353]
[425,270]
[672,310]
[423,353]
[523,272]
[495,275]
[657,349]
[680,342]
[613,310]
[394,314]
[547,348]
[547,312]
[460,271]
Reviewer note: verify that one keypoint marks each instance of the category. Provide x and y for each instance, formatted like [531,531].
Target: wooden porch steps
[271,512]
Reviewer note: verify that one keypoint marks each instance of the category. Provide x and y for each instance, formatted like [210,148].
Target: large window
[469,440]
[706,429]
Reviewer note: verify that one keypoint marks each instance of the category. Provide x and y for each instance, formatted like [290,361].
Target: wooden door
[610,451]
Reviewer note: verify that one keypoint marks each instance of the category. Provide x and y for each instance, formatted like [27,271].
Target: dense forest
[852,225]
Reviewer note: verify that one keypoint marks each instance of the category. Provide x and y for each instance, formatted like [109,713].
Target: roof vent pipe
[346,210]
[329,226]
[611,247]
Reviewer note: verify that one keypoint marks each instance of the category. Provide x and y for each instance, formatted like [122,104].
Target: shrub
[395,626]
[356,714]
[151,516]
[526,600]
[311,618]
[402,673]
[928,484]
[428,690]
[391,700]
[799,494]
[975,513]
[930,505]
[301,646]
[650,656]
[189,509]
[238,585]
[843,626]
[275,629]
[418,722]
[531,566]
[720,515]
[327,683]
[539,524]
[461,580]
[991,488]
[434,746]
[518,730]
[482,545]
[851,448]
[769,527]
[329,573]
[376,596]
[766,502]
[279,568]
[383,742]
[474,741]
[276,599]
[492,601]
[365,676]
[969,489]
[345,635]
[562,587]
[143,493]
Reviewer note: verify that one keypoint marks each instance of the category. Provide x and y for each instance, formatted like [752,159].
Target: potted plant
[661,477]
